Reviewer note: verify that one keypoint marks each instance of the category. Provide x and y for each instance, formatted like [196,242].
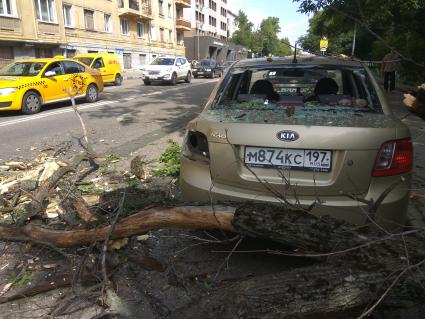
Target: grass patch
[170,161]
[104,167]
[90,189]
[20,280]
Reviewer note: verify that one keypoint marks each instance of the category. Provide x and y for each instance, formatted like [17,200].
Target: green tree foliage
[264,41]
[243,36]
[399,23]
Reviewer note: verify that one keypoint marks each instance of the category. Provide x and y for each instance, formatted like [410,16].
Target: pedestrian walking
[389,67]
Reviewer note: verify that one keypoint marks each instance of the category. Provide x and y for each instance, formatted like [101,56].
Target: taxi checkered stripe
[23,86]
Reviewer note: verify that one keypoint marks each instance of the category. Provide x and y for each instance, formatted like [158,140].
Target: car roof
[45,60]
[308,59]
[88,55]
[171,56]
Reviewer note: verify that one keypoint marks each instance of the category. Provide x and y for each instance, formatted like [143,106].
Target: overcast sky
[292,23]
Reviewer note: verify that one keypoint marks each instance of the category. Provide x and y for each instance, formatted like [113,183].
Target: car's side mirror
[49,74]
[178,64]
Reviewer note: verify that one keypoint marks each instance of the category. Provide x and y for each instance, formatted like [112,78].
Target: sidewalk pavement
[416,211]
[132,74]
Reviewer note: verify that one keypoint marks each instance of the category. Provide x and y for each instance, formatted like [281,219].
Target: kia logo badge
[287,136]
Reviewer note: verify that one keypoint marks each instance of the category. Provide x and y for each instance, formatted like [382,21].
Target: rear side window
[55,67]
[300,86]
[98,63]
[72,67]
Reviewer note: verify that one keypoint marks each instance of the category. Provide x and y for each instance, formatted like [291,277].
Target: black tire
[118,80]
[220,74]
[188,77]
[174,79]
[147,82]
[195,76]
[31,103]
[92,93]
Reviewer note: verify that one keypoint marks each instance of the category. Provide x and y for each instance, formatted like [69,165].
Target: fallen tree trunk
[185,217]
[358,267]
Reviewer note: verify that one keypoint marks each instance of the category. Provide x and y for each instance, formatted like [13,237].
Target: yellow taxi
[107,63]
[26,85]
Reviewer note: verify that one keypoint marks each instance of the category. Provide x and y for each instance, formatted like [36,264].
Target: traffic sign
[324,43]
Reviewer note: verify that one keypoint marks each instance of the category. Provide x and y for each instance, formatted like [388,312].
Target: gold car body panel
[354,141]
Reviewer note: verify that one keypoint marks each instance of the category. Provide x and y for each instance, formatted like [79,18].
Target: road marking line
[89,106]
[39,116]
[129,98]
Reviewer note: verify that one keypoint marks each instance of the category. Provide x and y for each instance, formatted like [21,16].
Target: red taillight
[394,158]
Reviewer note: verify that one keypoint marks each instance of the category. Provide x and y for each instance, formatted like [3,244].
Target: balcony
[135,8]
[183,25]
[183,3]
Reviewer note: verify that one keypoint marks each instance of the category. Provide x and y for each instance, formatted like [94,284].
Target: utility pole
[354,40]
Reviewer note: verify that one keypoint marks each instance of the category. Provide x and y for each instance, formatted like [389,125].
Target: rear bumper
[196,186]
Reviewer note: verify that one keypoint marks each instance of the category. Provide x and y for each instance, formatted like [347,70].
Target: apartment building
[136,30]
[212,24]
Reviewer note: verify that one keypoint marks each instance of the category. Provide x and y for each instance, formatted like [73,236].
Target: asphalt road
[125,119]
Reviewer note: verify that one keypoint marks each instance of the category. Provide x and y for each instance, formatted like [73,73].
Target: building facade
[136,30]
[212,24]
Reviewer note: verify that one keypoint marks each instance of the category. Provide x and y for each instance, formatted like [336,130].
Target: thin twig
[108,236]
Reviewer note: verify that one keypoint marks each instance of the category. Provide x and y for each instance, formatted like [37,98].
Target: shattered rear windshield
[298,86]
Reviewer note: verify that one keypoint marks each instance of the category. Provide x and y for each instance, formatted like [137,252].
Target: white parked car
[168,69]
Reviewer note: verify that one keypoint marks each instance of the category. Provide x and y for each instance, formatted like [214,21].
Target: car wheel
[118,80]
[174,79]
[92,93]
[147,82]
[195,76]
[220,74]
[188,77]
[31,103]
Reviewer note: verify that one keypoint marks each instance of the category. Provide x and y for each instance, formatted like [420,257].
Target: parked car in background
[107,63]
[167,69]
[316,134]
[207,68]
[28,84]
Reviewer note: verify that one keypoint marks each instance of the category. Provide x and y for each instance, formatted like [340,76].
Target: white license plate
[288,158]
[200,72]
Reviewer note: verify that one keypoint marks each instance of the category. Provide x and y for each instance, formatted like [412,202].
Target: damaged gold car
[316,133]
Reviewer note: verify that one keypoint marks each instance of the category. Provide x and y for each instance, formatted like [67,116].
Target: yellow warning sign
[324,43]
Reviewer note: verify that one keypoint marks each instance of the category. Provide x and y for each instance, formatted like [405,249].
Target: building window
[212,21]
[46,10]
[140,30]
[161,9]
[142,59]
[223,26]
[89,19]
[108,22]
[223,12]
[213,5]
[170,11]
[170,36]
[161,34]
[124,26]
[200,17]
[67,15]
[8,8]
